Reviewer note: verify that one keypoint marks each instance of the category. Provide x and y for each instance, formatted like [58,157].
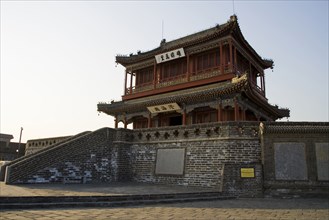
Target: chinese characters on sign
[247,172]
[164,108]
[170,55]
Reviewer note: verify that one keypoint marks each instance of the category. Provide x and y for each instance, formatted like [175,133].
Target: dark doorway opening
[177,120]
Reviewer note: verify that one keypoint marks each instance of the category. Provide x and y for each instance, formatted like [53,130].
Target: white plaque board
[170,55]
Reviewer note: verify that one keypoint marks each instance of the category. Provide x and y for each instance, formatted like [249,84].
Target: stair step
[113,201]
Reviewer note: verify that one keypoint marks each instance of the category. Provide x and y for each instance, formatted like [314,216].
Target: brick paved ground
[267,208]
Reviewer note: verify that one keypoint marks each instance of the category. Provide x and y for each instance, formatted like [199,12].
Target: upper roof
[230,28]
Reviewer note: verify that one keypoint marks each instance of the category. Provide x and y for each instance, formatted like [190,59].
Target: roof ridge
[189,39]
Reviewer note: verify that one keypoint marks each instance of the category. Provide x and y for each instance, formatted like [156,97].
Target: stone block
[170,161]
[322,160]
[290,161]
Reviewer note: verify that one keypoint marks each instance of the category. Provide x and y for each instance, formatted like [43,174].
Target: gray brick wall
[65,162]
[208,147]
[303,135]
[109,155]
[214,156]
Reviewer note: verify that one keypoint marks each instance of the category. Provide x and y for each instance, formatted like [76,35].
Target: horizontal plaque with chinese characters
[170,55]
[164,108]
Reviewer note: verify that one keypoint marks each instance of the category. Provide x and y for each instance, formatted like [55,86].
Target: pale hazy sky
[58,57]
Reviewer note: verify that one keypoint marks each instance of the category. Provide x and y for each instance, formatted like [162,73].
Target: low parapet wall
[35,145]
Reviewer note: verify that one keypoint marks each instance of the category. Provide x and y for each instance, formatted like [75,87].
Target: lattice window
[144,76]
[207,60]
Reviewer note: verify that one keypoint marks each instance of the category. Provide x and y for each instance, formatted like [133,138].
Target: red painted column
[155,74]
[250,71]
[195,64]
[131,82]
[221,58]
[125,122]
[125,87]
[188,66]
[149,121]
[235,59]
[184,116]
[264,84]
[231,55]
[219,113]
[236,110]
[116,122]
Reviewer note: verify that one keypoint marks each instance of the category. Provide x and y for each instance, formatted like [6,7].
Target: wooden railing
[258,89]
[170,81]
[204,74]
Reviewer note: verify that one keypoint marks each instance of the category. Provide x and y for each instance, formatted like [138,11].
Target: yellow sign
[247,172]
[164,108]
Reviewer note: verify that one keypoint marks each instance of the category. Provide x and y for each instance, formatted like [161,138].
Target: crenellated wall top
[196,132]
[294,127]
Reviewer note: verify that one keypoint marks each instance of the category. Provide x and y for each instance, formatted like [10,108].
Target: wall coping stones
[294,127]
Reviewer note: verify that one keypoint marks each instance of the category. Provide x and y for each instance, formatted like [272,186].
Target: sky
[58,57]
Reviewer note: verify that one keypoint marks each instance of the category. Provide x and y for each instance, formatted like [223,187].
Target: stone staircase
[27,157]
[26,169]
[33,202]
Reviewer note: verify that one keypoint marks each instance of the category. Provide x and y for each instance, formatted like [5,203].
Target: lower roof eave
[274,110]
[208,92]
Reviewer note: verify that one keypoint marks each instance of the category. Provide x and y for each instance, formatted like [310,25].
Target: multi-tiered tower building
[210,76]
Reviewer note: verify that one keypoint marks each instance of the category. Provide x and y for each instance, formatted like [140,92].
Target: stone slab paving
[256,208]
